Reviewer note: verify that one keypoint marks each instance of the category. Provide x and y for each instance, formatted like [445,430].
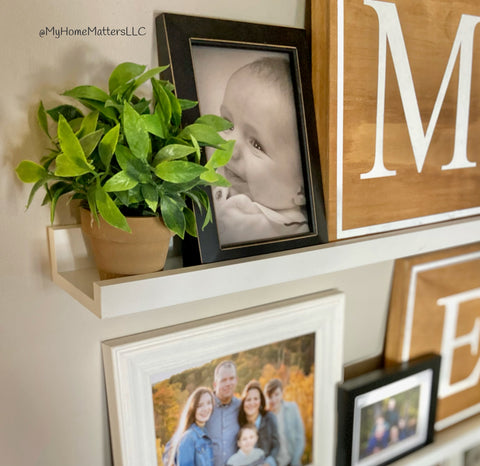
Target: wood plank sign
[397,93]
[435,307]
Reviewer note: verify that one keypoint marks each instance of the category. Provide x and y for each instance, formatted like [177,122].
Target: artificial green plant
[129,156]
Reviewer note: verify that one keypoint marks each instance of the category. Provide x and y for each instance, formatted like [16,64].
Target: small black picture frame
[387,414]
[276,173]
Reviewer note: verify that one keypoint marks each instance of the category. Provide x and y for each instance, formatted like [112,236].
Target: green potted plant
[130,161]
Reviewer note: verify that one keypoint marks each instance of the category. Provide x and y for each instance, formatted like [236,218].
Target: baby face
[247,440]
[265,164]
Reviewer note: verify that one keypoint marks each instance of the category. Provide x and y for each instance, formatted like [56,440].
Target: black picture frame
[387,414]
[180,40]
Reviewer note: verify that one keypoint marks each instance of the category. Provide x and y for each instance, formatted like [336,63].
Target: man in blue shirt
[222,427]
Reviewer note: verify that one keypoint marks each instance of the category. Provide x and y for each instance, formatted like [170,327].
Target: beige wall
[52,395]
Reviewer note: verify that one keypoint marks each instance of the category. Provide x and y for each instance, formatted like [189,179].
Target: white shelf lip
[450,442]
[73,270]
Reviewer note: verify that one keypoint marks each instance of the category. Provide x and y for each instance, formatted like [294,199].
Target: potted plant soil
[135,167]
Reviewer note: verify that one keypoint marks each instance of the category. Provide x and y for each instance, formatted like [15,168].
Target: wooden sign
[435,307]
[397,91]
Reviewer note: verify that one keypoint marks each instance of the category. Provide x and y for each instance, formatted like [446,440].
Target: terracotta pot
[118,253]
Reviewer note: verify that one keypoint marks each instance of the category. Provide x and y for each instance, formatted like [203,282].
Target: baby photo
[253,90]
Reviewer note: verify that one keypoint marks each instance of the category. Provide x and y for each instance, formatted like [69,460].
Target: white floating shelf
[73,269]
[447,445]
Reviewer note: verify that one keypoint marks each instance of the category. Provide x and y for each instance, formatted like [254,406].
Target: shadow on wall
[20,135]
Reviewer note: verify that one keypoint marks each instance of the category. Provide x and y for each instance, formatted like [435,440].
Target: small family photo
[255,91]
[251,408]
[397,417]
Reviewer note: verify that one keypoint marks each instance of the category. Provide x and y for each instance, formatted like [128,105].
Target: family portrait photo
[254,90]
[396,417]
[255,407]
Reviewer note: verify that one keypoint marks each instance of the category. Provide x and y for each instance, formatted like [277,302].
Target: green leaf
[210,176]
[142,107]
[204,134]
[131,197]
[47,159]
[173,151]
[149,74]
[72,160]
[107,145]
[176,109]
[68,111]
[90,141]
[122,74]
[198,153]
[76,124]
[116,105]
[125,92]
[92,202]
[109,211]
[172,214]
[42,118]
[136,168]
[136,132]
[150,194]
[121,181]
[162,100]
[89,124]
[167,85]
[216,122]
[56,191]
[154,125]
[200,197]
[108,112]
[208,216]
[190,223]
[221,156]
[178,171]
[34,189]
[87,92]
[30,172]
[187,104]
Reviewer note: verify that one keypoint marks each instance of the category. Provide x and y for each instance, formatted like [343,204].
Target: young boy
[247,455]
[266,199]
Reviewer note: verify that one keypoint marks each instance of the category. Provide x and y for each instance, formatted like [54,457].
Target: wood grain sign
[435,307]
[397,98]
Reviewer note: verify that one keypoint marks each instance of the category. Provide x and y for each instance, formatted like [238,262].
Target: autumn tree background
[292,361]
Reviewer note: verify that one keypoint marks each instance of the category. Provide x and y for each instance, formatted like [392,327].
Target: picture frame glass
[391,420]
[255,89]
[291,361]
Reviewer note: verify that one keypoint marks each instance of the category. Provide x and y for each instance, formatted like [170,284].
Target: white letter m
[390,30]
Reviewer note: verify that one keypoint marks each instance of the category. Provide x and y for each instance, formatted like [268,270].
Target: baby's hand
[239,202]
[238,218]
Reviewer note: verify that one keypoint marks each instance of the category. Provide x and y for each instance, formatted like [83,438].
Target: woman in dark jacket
[253,411]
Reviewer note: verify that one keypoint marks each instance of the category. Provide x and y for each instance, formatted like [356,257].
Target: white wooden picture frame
[133,362]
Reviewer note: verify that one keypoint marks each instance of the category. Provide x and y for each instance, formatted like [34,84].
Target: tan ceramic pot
[118,253]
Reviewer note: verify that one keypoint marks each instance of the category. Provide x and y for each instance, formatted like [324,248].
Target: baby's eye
[256,144]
